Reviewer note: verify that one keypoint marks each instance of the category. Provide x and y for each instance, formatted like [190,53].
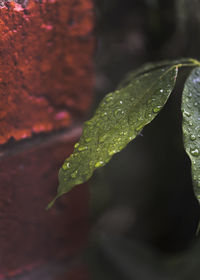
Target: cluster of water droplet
[118,119]
[192,127]
[191,123]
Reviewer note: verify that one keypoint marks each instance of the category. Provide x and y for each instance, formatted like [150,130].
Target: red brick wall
[46,73]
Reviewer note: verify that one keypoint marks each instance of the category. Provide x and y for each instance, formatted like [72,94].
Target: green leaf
[119,118]
[156,65]
[191,125]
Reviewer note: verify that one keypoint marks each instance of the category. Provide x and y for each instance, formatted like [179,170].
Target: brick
[46,66]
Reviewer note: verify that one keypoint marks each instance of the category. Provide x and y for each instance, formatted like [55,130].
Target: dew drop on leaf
[82,148]
[112,152]
[66,165]
[192,137]
[119,113]
[157,109]
[194,152]
[99,163]
[186,113]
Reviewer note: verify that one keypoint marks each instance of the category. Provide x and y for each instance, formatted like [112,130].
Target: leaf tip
[51,203]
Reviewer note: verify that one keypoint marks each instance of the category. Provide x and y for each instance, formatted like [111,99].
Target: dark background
[144,197]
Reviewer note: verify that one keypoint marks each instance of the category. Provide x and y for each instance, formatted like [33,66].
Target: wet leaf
[153,66]
[118,120]
[191,124]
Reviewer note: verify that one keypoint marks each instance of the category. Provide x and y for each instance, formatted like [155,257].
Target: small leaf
[118,120]
[191,124]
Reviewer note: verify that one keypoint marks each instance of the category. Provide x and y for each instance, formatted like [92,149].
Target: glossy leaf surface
[191,124]
[119,118]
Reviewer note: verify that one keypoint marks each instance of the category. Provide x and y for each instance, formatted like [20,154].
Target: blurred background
[143,211]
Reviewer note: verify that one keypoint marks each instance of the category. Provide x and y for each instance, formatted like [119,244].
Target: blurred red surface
[28,233]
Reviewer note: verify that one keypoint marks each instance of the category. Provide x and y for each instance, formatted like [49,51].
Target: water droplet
[161,90]
[118,113]
[194,152]
[157,109]
[74,174]
[112,152]
[66,166]
[76,145]
[83,148]
[192,137]
[104,114]
[190,95]
[99,163]
[196,104]
[186,113]
[109,98]
[148,115]
[121,102]
[123,133]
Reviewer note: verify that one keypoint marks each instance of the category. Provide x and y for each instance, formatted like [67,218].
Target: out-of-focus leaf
[191,124]
[118,120]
